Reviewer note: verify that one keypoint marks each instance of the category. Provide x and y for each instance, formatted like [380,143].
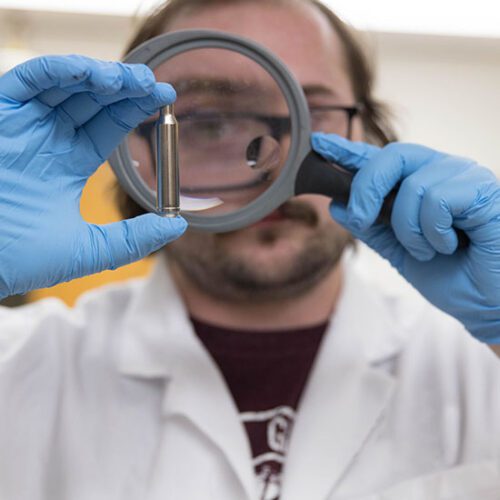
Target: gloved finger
[108,128]
[120,243]
[406,214]
[469,201]
[53,96]
[435,213]
[379,238]
[379,176]
[486,237]
[131,80]
[81,107]
[70,73]
[348,154]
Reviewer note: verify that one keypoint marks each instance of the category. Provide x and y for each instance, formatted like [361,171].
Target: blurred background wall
[442,80]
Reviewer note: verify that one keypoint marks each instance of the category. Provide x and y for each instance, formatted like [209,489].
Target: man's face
[290,251]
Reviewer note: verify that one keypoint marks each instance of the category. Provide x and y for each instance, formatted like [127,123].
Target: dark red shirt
[266,372]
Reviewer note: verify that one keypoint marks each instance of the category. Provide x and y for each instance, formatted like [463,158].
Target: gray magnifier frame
[164,47]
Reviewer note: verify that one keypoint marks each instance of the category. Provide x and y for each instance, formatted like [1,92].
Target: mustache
[299,211]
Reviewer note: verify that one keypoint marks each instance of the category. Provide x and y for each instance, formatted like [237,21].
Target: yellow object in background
[97,207]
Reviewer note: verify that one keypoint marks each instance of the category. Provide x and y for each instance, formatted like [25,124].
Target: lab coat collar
[149,332]
[334,419]
[158,341]
[156,322]
[346,395]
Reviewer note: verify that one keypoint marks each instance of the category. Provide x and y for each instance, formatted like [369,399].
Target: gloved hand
[60,118]
[438,192]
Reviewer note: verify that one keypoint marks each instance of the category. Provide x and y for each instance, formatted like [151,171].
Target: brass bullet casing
[167,163]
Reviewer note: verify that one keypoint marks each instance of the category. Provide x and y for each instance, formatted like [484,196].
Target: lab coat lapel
[158,341]
[199,393]
[345,398]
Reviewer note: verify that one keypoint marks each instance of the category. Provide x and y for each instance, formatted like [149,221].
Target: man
[255,345]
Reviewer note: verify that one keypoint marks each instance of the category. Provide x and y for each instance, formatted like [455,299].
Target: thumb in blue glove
[438,193]
[60,118]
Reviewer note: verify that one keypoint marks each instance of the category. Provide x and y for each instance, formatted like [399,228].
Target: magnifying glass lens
[234,126]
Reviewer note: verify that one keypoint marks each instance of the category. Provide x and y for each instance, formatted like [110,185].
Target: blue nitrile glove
[438,191]
[60,118]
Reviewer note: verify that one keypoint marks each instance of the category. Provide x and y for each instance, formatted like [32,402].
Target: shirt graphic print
[271,431]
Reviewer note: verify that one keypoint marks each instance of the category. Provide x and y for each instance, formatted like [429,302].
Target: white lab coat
[118,400]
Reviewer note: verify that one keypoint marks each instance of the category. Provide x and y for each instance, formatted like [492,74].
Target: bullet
[167,163]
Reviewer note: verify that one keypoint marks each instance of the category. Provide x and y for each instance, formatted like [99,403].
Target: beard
[262,263]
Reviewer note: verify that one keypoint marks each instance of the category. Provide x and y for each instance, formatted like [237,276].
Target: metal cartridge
[167,163]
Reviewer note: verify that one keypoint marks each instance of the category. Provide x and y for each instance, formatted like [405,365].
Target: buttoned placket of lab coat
[345,398]
[159,342]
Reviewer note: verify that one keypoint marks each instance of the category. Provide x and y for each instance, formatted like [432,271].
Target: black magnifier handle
[319,176]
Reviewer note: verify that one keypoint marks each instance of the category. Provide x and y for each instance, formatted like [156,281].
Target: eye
[334,121]
[203,130]
[212,129]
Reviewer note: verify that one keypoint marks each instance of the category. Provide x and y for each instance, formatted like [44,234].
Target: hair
[375,115]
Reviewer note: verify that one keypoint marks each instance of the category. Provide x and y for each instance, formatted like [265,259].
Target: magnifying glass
[243,134]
